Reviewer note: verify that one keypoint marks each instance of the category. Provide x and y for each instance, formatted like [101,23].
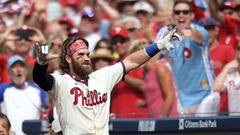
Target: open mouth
[19,75]
[181,21]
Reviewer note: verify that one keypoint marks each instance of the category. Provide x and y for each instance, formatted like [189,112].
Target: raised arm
[138,58]
[111,11]
[218,84]
[213,7]
[40,76]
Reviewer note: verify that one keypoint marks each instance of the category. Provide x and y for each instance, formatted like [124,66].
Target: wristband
[152,49]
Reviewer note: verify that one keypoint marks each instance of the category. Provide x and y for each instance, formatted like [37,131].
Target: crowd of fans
[183,82]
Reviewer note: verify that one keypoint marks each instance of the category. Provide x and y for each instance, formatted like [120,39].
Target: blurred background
[199,79]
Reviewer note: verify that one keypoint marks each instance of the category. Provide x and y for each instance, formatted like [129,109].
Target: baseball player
[83,97]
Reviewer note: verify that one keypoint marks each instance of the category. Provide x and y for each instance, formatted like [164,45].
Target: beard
[19,81]
[82,70]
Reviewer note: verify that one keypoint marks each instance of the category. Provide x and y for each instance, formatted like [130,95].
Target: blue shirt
[191,67]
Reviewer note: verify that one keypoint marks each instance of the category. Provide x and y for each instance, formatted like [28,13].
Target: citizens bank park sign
[184,124]
[175,124]
[152,125]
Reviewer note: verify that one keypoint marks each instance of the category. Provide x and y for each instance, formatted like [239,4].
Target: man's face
[182,16]
[24,41]
[86,26]
[120,45]
[81,63]
[23,46]
[18,73]
[56,46]
[230,12]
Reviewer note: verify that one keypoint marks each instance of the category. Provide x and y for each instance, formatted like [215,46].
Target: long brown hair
[63,64]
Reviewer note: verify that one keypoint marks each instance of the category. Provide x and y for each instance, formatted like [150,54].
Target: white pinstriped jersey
[232,83]
[84,108]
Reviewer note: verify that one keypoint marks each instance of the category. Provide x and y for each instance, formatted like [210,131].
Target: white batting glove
[41,52]
[165,42]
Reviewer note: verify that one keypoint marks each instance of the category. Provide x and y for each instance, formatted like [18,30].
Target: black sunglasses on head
[178,12]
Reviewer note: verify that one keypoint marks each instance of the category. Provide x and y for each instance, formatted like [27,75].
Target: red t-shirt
[220,56]
[125,98]
[31,61]
[228,33]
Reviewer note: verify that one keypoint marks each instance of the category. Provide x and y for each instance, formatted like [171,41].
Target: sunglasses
[178,12]
[117,40]
[131,29]
[26,39]
[229,12]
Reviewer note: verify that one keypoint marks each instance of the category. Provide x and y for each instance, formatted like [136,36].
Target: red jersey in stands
[228,33]
[125,99]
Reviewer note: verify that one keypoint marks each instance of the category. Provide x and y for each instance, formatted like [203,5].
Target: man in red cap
[230,22]
[128,87]
[120,41]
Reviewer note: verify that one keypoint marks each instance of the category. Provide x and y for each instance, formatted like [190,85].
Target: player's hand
[165,42]
[41,52]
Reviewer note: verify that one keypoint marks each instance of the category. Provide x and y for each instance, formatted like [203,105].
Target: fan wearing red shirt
[127,102]
[230,22]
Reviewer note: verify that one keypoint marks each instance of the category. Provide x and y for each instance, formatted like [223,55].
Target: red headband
[77,45]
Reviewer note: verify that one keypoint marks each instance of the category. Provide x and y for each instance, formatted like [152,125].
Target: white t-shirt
[232,84]
[84,108]
[21,104]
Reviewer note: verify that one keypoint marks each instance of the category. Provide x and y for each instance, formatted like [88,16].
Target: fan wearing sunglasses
[189,62]
[183,15]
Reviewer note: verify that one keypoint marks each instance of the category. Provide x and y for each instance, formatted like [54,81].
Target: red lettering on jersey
[94,99]
[77,92]
[231,84]
[104,97]
[93,96]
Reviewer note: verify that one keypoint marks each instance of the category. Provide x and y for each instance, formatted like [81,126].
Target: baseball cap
[15,58]
[207,22]
[89,13]
[229,5]
[119,31]
[143,6]
[66,20]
